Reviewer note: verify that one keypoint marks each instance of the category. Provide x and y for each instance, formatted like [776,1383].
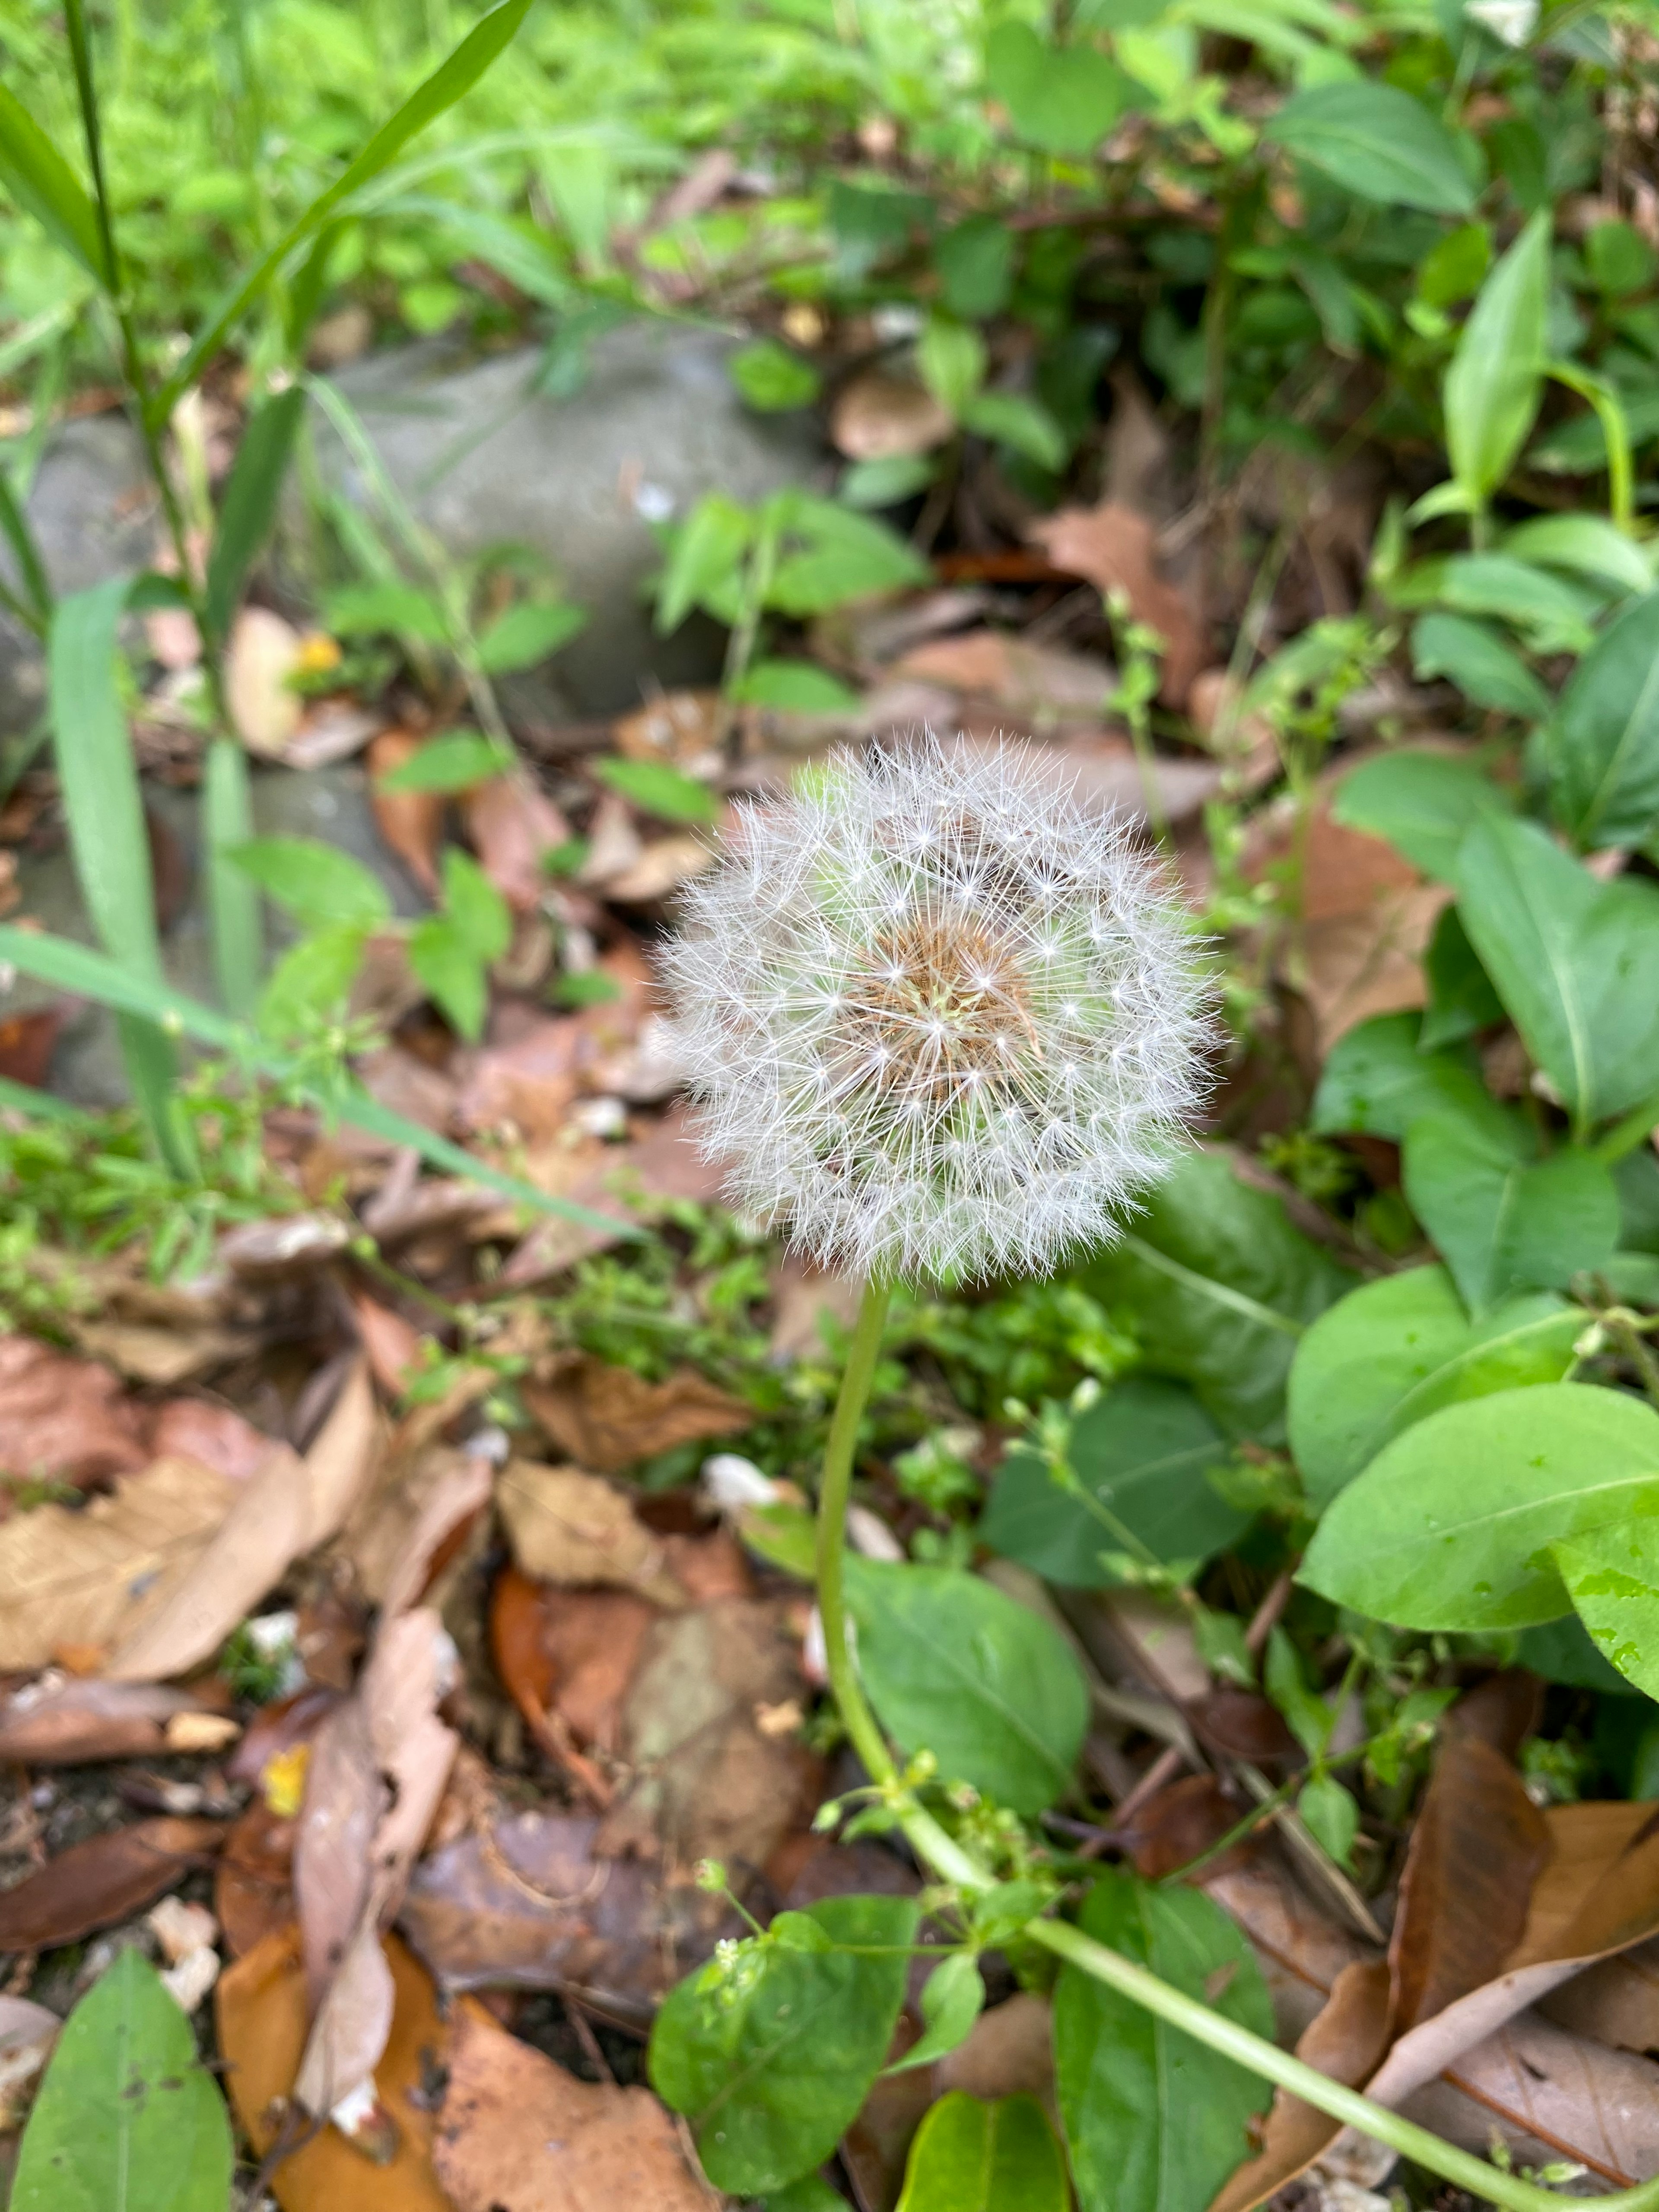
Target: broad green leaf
[770,2055]
[454,762]
[249,507]
[474,908]
[793,687]
[1156,2122]
[1376,1082]
[1063,99]
[1011,419]
[837,557]
[1602,741]
[1584,544]
[886,481]
[771,378]
[1612,1575]
[1497,375]
[1474,657]
[45,186]
[1573,959]
[1330,1814]
[527,635]
[454,76]
[310,982]
[658,788]
[1397,1350]
[1142,1452]
[1378,142]
[1450,1527]
[974,262]
[1565,1651]
[1461,1000]
[1309,1719]
[954,1667]
[1422,802]
[385,609]
[318,884]
[809,2194]
[1504,1223]
[1553,614]
[1218,1287]
[1637,1177]
[951,359]
[968,2156]
[451,974]
[705,558]
[127,2119]
[952,1998]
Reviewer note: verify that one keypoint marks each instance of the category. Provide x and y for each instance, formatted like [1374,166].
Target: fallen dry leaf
[514,825]
[687,728]
[609,1418]
[1009,2052]
[1112,547]
[63,1721]
[284,1248]
[517,2134]
[331,730]
[216,1435]
[289,1508]
[1615,2001]
[569,1528]
[1043,682]
[410,822]
[90,1579]
[1553,2095]
[572,1652]
[628,1180]
[878,418]
[162,1353]
[1345,2041]
[105,1879]
[252,1883]
[1300,1948]
[1177,1824]
[1366,920]
[263,652]
[260,2013]
[390,1345]
[420,1526]
[27,1040]
[663,864]
[804,1299]
[64,1419]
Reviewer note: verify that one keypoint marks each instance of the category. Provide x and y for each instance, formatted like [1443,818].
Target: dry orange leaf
[411,821]
[609,1418]
[252,1887]
[1113,547]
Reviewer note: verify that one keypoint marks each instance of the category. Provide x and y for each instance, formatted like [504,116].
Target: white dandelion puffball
[941,1020]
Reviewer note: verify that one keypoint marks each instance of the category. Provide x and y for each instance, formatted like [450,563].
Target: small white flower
[941,1020]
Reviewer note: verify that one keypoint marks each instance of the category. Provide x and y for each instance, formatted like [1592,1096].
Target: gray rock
[482,457]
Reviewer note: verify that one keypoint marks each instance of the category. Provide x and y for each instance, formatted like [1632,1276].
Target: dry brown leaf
[524,1903]
[410,822]
[331,730]
[1112,547]
[1345,2041]
[803,1298]
[573,1652]
[63,1419]
[1551,2095]
[163,1353]
[609,1418]
[517,2134]
[514,825]
[628,1181]
[289,1508]
[105,1879]
[1177,1824]
[216,1435]
[260,2011]
[1615,2001]
[390,1345]
[26,1040]
[62,1720]
[1009,2052]
[416,1523]
[89,1579]
[263,652]
[254,1885]
[710,1782]
[569,1528]
[685,727]
[663,864]
[1300,1949]
[879,417]
[1041,682]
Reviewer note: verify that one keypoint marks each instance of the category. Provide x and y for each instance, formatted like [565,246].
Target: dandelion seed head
[941,1020]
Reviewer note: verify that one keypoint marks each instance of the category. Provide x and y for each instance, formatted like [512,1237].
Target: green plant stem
[952,1863]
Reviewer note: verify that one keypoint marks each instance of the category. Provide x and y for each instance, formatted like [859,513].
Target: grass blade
[232,897]
[456,75]
[250,504]
[45,1105]
[43,184]
[71,967]
[37,587]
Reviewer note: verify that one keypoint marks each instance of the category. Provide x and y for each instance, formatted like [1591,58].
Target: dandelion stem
[951,1863]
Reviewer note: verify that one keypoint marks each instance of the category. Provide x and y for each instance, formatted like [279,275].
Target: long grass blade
[249,507]
[37,588]
[43,184]
[234,917]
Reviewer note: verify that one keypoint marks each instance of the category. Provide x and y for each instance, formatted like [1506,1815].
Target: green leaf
[1602,741]
[1495,376]
[770,2056]
[1584,544]
[954,1667]
[454,76]
[385,609]
[1397,1350]
[1330,1814]
[35,607]
[454,762]
[528,634]
[1311,1720]
[974,262]
[1062,100]
[1476,660]
[127,2119]
[951,359]
[1503,1223]
[1142,1452]
[793,687]
[1218,1287]
[1552,614]
[451,974]
[844,557]
[45,186]
[705,557]
[1156,2122]
[1422,802]
[771,378]
[968,2156]
[952,1998]
[1573,959]
[249,507]
[1449,1526]
[1461,1000]
[318,884]
[1378,142]
[887,481]
[1612,1575]
[234,920]
[473,907]
[1376,1082]
[1564,1651]
[310,982]
[1024,426]
[659,789]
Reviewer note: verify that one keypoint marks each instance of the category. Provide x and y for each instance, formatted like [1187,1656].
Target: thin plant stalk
[947,1858]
